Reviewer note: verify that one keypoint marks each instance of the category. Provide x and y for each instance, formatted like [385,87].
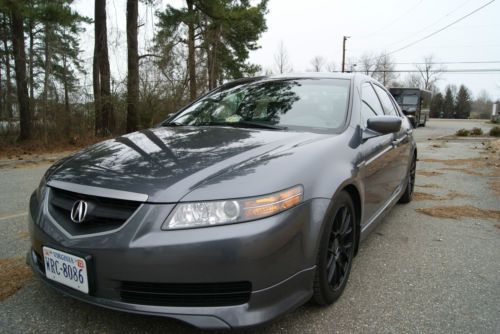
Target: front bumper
[276,255]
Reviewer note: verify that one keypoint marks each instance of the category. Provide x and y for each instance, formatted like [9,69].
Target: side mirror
[384,124]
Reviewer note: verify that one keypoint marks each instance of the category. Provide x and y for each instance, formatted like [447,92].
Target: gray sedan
[247,203]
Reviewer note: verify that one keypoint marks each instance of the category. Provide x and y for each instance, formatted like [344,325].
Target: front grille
[104,214]
[185,294]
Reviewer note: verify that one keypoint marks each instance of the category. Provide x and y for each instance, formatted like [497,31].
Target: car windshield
[274,104]
[408,100]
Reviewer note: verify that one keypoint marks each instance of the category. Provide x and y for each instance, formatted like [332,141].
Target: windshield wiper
[173,124]
[250,124]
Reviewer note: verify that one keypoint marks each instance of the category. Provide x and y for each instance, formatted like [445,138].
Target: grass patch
[462,133]
[421,196]
[429,185]
[495,131]
[14,274]
[456,212]
[476,132]
[428,172]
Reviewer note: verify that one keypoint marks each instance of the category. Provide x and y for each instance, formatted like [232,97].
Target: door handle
[396,142]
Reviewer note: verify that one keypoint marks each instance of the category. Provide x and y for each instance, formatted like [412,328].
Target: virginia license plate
[66,269]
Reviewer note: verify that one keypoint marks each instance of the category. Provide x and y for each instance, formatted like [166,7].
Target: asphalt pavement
[414,274]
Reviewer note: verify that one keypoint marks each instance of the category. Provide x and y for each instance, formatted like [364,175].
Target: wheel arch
[354,193]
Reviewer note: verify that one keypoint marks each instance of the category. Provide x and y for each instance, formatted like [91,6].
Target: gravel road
[414,274]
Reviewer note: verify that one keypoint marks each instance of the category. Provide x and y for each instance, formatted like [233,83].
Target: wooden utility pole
[343,52]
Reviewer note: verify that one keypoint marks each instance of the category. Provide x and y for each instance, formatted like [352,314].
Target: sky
[316,27]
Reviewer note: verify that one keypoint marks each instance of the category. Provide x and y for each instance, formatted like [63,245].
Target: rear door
[375,170]
[401,142]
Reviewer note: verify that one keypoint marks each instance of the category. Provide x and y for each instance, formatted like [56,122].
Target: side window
[386,102]
[370,104]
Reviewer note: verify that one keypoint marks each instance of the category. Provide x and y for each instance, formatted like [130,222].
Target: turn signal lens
[269,205]
[202,214]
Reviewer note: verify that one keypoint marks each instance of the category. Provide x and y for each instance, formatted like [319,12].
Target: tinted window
[299,103]
[370,103]
[386,101]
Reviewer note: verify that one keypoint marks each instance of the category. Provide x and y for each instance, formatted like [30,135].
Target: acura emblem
[79,211]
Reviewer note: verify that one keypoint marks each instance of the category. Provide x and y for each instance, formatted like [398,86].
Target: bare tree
[381,67]
[429,72]
[385,69]
[281,60]
[412,80]
[318,63]
[367,64]
[331,67]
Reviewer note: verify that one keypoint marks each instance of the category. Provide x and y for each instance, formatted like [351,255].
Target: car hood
[167,163]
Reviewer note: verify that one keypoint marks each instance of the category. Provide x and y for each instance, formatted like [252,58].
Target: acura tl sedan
[247,203]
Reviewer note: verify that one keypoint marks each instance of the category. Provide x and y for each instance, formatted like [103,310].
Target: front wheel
[336,252]
[410,183]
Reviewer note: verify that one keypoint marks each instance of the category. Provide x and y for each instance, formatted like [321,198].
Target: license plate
[66,269]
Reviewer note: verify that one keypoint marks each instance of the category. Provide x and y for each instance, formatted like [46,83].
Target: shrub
[495,131]
[476,132]
[462,133]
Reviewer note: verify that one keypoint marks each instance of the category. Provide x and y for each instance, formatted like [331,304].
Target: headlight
[201,214]
[41,189]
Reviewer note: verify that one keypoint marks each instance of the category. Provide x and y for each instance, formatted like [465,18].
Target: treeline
[44,92]
[458,103]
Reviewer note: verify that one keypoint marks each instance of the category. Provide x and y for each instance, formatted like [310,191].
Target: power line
[434,23]
[453,62]
[468,70]
[443,28]
[399,17]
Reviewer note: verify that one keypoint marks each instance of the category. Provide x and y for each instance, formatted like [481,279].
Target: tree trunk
[105,103]
[191,62]
[47,70]
[31,65]
[8,83]
[133,66]
[97,93]
[67,110]
[20,69]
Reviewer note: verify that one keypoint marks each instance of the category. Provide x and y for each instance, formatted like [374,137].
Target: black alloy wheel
[340,248]
[410,184]
[336,251]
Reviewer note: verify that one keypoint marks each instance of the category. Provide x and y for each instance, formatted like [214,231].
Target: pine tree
[223,32]
[437,103]
[463,103]
[449,103]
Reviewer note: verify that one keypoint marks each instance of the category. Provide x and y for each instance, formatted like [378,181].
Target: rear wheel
[425,121]
[336,252]
[410,184]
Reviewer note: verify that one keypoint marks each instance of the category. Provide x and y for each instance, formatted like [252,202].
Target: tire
[336,251]
[410,183]
[425,121]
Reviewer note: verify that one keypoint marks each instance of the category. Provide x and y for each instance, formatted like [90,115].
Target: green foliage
[225,32]
[463,103]
[449,104]
[437,103]
[476,132]
[462,133]
[495,131]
